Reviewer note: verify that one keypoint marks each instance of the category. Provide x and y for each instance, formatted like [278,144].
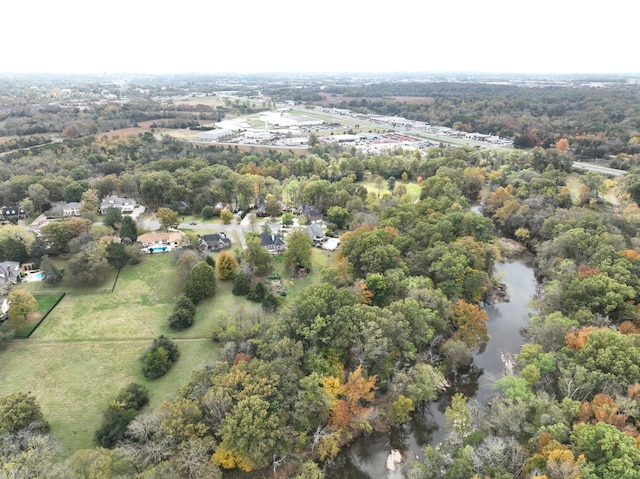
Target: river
[366,457]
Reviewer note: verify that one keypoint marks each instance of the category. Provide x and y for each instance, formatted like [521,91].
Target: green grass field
[413,189]
[89,347]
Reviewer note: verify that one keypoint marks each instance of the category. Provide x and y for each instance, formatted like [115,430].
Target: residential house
[71,209]
[312,213]
[261,210]
[125,205]
[316,233]
[12,211]
[272,243]
[174,239]
[183,207]
[9,272]
[213,242]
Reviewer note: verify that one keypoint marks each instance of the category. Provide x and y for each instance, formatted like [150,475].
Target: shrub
[133,396]
[183,314]
[159,358]
[115,421]
[270,303]
[241,285]
[201,282]
[258,292]
[207,212]
[185,303]
[180,319]
[118,415]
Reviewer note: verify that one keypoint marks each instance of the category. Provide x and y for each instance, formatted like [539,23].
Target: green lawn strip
[75,381]
[222,305]
[40,287]
[236,239]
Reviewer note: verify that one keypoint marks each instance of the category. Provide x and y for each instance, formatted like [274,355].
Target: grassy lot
[573,184]
[75,381]
[40,287]
[137,309]
[319,259]
[413,189]
[90,345]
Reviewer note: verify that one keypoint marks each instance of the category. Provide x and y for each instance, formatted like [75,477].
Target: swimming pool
[157,249]
[331,244]
[35,276]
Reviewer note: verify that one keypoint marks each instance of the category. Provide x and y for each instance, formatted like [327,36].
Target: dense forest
[386,329]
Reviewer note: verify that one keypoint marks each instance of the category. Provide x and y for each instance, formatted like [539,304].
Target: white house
[71,209]
[125,205]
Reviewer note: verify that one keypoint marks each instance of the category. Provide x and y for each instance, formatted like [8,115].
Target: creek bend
[365,457]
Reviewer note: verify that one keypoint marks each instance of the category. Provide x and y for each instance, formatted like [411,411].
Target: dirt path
[614,203]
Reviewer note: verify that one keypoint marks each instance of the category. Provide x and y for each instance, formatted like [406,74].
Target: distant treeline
[597,121]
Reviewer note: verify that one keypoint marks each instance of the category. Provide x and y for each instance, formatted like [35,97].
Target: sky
[330,36]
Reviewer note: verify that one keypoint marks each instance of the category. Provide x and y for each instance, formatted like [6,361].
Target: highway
[598,169]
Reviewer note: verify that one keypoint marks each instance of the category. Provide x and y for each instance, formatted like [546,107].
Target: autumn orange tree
[470,322]
[562,145]
[349,397]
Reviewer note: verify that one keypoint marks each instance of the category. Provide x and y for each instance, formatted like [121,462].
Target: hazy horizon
[280,37]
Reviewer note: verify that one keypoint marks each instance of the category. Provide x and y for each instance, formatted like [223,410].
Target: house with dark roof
[213,242]
[9,211]
[261,210]
[272,243]
[222,205]
[311,212]
[183,207]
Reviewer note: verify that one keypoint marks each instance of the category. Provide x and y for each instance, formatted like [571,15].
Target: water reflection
[365,458]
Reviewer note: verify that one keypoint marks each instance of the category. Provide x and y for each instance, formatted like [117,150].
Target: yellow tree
[226,265]
[21,303]
[168,218]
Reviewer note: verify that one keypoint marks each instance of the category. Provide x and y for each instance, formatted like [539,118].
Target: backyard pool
[39,276]
[331,244]
[157,249]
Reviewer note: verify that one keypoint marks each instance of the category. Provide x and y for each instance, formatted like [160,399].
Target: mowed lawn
[138,308]
[75,381]
[90,347]
[413,188]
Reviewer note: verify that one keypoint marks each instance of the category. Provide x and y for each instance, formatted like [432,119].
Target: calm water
[366,457]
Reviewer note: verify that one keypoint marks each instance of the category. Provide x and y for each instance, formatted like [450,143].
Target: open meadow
[89,347]
[413,188]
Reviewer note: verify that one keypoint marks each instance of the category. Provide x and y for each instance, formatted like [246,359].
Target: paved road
[598,169]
